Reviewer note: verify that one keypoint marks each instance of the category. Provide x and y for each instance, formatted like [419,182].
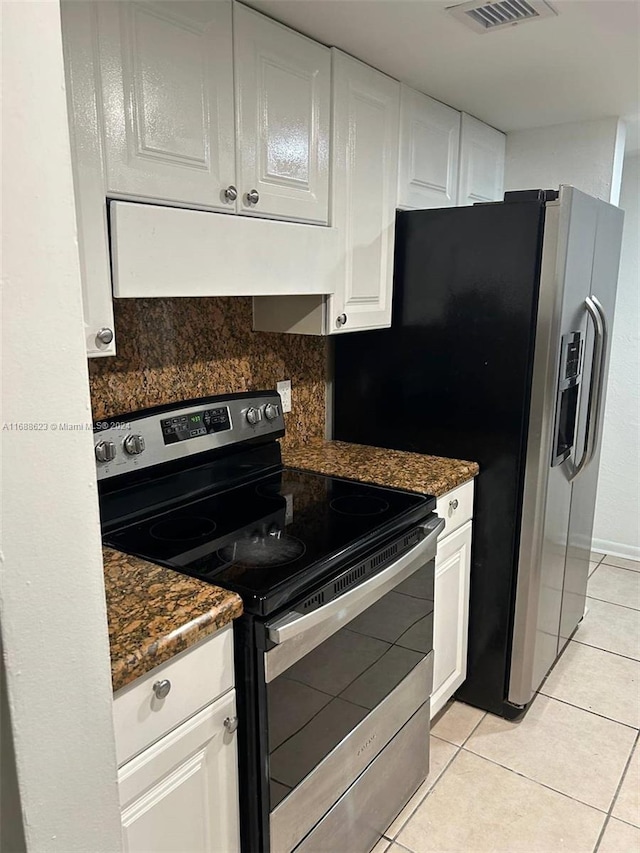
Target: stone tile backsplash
[176,349]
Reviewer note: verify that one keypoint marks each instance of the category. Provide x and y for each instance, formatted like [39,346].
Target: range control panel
[167,433]
[191,426]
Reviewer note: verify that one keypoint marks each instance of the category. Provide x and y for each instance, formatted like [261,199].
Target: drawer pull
[231,724]
[162,688]
[453,505]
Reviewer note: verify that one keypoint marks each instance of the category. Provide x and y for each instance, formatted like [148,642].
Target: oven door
[342,682]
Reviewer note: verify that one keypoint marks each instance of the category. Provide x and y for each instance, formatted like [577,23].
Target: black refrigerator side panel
[452,378]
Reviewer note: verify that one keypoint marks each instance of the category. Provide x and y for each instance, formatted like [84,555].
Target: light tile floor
[567,777]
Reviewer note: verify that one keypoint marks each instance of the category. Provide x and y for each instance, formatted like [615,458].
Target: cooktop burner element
[262,551]
[182,528]
[359,505]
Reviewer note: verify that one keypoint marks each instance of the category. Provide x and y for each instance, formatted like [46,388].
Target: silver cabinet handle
[162,688]
[594,404]
[104,336]
[341,320]
[253,197]
[453,505]
[231,193]
[231,724]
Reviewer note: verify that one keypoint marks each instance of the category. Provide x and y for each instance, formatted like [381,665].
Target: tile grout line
[615,796]
[616,603]
[603,562]
[613,566]
[458,749]
[473,729]
[589,711]
[408,849]
[444,769]
[626,822]
[535,781]
[607,814]
[590,646]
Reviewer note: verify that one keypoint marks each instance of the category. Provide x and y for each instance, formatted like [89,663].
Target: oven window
[321,698]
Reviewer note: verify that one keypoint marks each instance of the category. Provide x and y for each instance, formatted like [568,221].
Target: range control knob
[134,444]
[105,451]
[253,415]
[271,411]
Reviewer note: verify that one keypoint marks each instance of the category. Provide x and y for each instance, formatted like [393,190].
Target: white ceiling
[582,64]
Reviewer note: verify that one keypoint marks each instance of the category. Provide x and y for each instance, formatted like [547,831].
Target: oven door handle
[346,607]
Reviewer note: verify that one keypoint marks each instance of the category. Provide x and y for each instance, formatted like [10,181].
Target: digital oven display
[195,425]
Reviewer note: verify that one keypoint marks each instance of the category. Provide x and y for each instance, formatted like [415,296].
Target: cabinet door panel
[482,152]
[429,148]
[364,185]
[282,93]
[168,100]
[182,793]
[79,32]
[451,615]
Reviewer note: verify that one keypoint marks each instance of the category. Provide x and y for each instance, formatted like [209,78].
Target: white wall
[54,633]
[617,521]
[587,155]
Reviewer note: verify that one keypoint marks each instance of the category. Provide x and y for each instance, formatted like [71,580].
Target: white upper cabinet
[482,152]
[82,78]
[167,93]
[366,114]
[429,150]
[364,182]
[173,133]
[283,83]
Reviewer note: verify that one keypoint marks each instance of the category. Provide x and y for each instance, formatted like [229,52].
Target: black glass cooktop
[271,539]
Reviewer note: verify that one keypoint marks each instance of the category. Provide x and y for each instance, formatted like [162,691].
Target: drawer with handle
[161,699]
[455,507]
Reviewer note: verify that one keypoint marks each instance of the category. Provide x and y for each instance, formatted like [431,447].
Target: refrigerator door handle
[594,407]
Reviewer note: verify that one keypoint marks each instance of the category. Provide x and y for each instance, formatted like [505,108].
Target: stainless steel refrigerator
[498,352]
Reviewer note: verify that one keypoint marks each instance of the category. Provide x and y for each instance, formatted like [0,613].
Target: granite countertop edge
[155,613]
[401,469]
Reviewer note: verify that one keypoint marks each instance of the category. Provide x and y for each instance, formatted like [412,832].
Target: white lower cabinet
[451,601]
[181,794]
[176,743]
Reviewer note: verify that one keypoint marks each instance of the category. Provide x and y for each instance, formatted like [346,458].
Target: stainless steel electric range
[334,653]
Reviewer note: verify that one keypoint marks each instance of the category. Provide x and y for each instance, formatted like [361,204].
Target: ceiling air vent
[487,17]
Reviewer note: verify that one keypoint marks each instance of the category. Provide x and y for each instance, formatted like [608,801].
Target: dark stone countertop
[154,613]
[416,472]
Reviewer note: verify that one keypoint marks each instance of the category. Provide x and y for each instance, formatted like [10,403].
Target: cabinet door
[182,793]
[429,149]
[366,114]
[167,78]
[451,615]
[282,99]
[482,150]
[79,34]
